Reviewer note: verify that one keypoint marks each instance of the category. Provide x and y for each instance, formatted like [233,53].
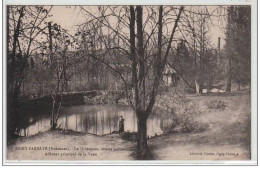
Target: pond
[99,120]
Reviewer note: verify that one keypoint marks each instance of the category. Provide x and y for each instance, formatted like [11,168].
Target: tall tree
[192,60]
[238,45]
[24,27]
[59,62]
[146,56]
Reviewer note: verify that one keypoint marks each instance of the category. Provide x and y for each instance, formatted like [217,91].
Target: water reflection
[99,120]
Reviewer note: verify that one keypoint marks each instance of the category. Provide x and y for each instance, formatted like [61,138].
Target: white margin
[254,88]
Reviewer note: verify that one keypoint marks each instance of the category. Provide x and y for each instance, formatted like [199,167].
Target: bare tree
[59,62]
[147,63]
[194,30]
[25,25]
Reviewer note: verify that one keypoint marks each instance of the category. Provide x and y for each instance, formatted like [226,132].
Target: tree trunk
[201,87]
[13,82]
[143,152]
[142,140]
[239,86]
[53,124]
[228,89]
[7,29]
[197,86]
[141,58]
[239,81]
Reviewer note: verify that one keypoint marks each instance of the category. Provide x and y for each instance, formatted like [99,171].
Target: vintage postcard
[130,84]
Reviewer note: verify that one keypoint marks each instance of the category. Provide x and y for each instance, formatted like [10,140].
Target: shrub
[129,136]
[216,104]
[182,111]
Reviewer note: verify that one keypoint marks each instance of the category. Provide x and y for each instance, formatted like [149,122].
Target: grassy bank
[226,119]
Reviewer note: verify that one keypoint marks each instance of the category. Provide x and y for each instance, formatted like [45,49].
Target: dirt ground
[227,137]
[71,146]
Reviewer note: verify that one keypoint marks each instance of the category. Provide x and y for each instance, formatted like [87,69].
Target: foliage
[238,44]
[182,111]
[25,24]
[216,104]
[129,136]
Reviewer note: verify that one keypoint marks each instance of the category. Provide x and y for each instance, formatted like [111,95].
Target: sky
[67,16]
[70,16]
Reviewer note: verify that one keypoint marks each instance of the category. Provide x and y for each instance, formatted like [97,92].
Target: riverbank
[225,136]
[43,104]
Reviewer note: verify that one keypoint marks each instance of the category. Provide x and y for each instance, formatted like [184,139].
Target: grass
[216,104]
[227,133]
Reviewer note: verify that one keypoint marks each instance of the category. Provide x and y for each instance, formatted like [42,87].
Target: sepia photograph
[129,84]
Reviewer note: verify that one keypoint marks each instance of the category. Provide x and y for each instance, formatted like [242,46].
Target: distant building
[169,76]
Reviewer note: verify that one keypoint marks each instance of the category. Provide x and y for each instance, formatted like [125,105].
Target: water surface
[99,120]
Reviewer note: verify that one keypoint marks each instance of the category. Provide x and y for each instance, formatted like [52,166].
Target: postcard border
[254,91]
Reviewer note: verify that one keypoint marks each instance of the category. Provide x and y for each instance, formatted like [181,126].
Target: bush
[182,111]
[129,136]
[216,104]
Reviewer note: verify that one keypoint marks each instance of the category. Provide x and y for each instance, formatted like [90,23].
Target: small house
[169,76]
